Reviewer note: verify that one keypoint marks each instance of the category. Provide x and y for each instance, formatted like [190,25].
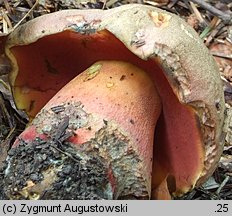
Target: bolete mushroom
[172,69]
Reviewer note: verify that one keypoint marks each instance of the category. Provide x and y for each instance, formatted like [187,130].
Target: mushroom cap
[154,35]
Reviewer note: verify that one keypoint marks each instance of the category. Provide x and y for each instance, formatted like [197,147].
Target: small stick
[6,114]
[6,18]
[225,17]
[104,4]
[214,32]
[65,153]
[222,184]
[156,4]
[25,16]
[222,55]
[172,3]
[7,6]
[29,3]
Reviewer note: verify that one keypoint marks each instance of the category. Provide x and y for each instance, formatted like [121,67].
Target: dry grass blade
[110,3]
[210,27]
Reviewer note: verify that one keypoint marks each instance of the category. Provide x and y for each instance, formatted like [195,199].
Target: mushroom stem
[108,114]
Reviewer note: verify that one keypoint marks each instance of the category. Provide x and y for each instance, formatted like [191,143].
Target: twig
[222,184]
[214,32]
[187,3]
[29,3]
[25,16]
[7,19]
[197,13]
[7,6]
[65,153]
[222,55]
[104,4]
[5,85]
[225,17]
[211,195]
[172,3]
[5,113]
[156,4]
[183,4]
